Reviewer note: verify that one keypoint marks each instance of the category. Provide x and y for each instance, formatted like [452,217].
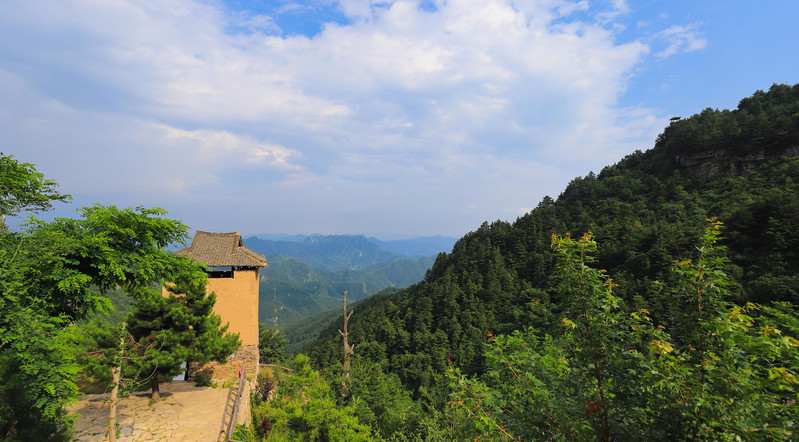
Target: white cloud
[619,7]
[680,38]
[401,106]
[214,146]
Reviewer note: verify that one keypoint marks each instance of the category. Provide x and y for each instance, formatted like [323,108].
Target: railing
[235,415]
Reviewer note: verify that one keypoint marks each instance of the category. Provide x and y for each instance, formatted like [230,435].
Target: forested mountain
[645,212]
[303,332]
[291,290]
[307,274]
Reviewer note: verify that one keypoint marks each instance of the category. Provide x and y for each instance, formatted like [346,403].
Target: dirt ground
[185,413]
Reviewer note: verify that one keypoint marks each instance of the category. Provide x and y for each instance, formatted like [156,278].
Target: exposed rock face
[710,164]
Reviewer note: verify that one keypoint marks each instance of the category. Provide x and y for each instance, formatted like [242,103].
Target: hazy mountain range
[307,274]
[339,252]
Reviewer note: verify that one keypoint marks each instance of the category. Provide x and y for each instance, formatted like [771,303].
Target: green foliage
[722,372]
[107,248]
[445,320]
[271,344]
[305,409]
[526,392]
[766,120]
[380,401]
[22,188]
[177,328]
[243,434]
[53,274]
[36,372]
[203,380]
[571,381]
[95,348]
[292,290]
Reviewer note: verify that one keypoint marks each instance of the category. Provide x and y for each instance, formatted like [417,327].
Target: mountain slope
[645,211]
[291,290]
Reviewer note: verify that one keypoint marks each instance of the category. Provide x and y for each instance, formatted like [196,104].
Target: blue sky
[359,116]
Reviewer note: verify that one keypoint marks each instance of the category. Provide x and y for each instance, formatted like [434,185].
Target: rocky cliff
[714,163]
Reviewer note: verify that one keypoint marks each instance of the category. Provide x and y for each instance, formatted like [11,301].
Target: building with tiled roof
[233,275]
[222,250]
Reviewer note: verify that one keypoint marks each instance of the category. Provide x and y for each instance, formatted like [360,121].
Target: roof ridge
[222,249]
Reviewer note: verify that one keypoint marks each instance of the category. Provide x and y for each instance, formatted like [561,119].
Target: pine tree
[177,328]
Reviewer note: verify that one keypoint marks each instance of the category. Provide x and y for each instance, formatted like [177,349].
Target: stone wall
[246,356]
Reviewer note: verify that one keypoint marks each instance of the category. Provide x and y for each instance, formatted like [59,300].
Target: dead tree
[115,372]
[348,350]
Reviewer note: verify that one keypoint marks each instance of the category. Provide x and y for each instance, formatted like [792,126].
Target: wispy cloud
[681,38]
[215,146]
[618,8]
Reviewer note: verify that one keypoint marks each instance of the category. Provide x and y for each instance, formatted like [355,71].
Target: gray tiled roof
[222,250]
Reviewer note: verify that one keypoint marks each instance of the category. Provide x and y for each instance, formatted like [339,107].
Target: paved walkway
[185,413]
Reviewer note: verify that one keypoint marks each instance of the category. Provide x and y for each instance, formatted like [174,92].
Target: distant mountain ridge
[307,274]
[346,252]
[418,247]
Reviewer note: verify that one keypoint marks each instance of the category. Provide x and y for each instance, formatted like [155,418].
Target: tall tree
[177,328]
[349,350]
[723,371]
[49,277]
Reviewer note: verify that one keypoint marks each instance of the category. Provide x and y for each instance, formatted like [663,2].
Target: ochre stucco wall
[237,303]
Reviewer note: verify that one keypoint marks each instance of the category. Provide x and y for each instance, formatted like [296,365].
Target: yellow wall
[237,303]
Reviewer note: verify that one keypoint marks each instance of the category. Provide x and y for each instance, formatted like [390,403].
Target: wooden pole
[348,350]
[115,373]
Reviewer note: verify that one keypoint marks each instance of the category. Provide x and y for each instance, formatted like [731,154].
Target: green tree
[569,382]
[22,188]
[271,344]
[177,328]
[379,400]
[722,372]
[95,344]
[305,409]
[54,273]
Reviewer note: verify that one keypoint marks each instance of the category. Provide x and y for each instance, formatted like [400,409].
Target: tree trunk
[115,372]
[348,350]
[156,396]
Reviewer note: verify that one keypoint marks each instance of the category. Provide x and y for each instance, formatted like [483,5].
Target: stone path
[185,413]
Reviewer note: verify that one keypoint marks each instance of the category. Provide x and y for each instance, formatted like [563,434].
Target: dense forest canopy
[765,125]
[291,290]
